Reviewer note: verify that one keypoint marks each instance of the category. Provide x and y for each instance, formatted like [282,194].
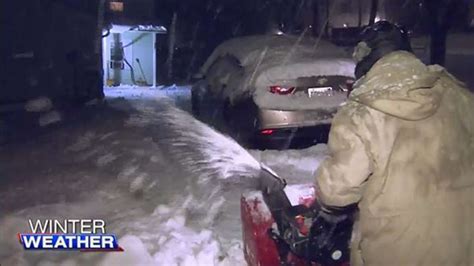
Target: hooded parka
[402,147]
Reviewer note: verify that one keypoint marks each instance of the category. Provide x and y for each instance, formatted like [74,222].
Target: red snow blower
[285,225]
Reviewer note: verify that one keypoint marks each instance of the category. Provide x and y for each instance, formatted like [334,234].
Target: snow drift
[40,104]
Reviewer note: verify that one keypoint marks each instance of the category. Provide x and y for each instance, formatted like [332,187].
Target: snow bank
[49,118]
[168,240]
[136,253]
[10,250]
[178,95]
[131,92]
[41,104]
[162,237]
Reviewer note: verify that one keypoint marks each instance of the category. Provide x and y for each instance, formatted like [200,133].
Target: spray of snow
[206,151]
[296,166]
[197,146]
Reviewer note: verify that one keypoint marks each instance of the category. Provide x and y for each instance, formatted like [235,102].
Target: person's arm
[340,178]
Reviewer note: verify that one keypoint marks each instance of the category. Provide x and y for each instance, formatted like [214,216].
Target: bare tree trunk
[195,49]
[326,24]
[441,13]
[171,44]
[98,47]
[374,6]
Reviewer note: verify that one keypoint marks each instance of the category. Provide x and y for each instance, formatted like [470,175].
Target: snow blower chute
[285,225]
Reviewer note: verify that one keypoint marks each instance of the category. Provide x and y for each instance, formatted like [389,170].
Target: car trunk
[318,84]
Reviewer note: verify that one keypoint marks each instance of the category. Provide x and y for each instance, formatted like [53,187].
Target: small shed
[129,55]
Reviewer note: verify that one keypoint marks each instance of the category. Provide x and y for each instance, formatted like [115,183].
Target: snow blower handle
[269,181]
[271,186]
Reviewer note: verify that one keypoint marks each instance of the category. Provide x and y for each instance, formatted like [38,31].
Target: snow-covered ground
[166,184]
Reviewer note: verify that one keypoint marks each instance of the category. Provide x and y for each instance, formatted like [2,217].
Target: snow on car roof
[271,59]
[273,48]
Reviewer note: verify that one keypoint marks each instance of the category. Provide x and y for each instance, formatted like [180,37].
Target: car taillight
[266,132]
[281,90]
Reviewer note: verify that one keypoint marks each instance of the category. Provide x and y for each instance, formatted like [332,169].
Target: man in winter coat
[402,147]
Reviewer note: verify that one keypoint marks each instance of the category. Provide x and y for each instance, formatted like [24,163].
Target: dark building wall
[134,12]
[50,49]
[140,10]
[201,25]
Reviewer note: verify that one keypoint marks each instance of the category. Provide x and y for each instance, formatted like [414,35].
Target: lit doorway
[129,55]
